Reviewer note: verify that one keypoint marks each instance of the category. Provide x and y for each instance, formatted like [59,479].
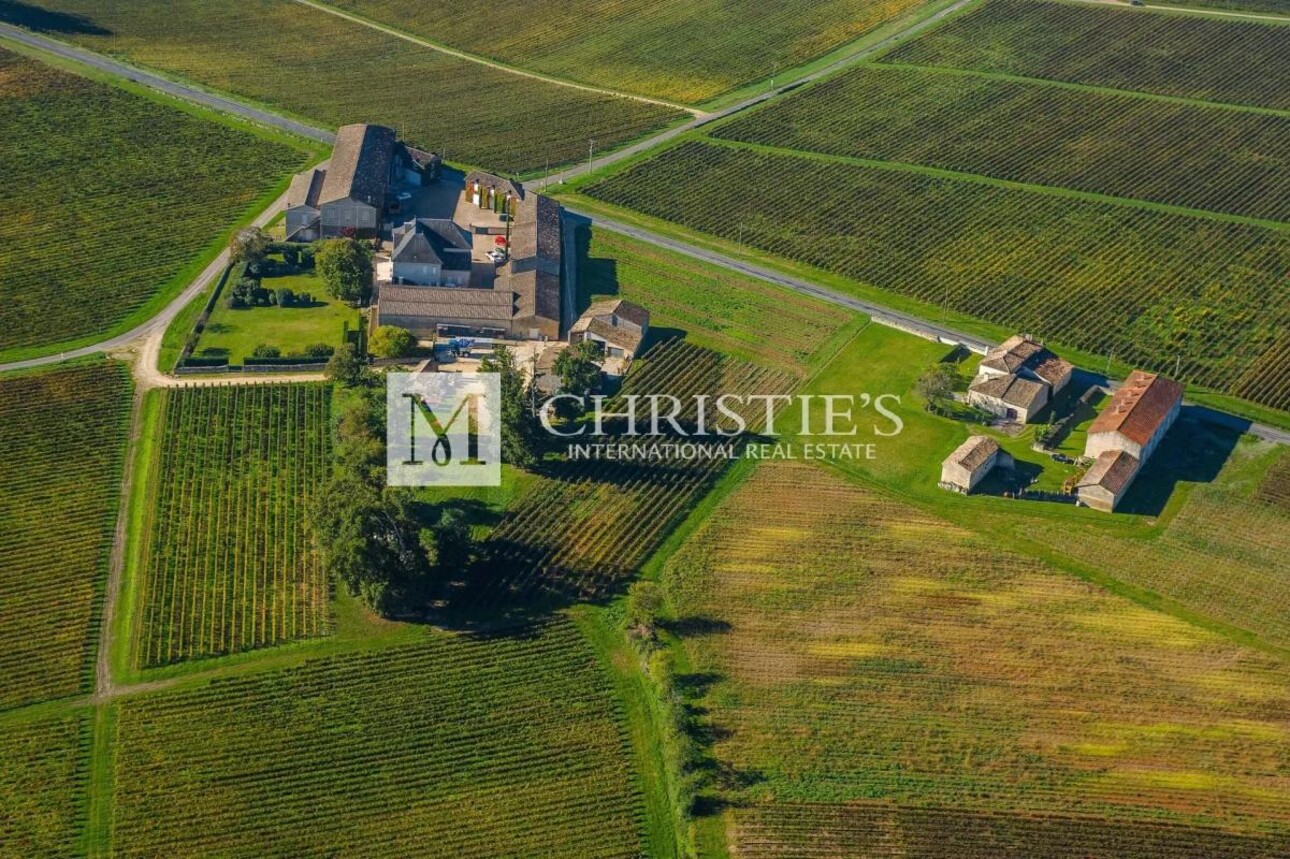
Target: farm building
[1010,397]
[970,462]
[522,297]
[1125,434]
[349,195]
[619,326]
[1023,356]
[430,252]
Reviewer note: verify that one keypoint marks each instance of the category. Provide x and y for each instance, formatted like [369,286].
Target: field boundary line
[1010,184]
[1220,13]
[1199,104]
[493,64]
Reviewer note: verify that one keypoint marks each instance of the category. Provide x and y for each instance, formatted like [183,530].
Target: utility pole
[591,156]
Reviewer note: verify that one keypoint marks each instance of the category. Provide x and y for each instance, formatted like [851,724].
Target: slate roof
[436,242]
[1138,407]
[1020,352]
[1113,471]
[360,165]
[446,302]
[1012,390]
[974,453]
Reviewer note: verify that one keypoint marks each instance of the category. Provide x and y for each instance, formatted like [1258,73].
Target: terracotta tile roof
[1113,471]
[974,453]
[497,183]
[433,302]
[1138,407]
[1020,352]
[360,165]
[1012,390]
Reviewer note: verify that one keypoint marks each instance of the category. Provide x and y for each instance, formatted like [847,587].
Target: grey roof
[434,302]
[360,165]
[1113,471]
[433,241]
[533,269]
[1011,389]
[974,453]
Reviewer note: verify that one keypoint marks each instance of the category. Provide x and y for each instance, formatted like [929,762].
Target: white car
[497,255]
[405,196]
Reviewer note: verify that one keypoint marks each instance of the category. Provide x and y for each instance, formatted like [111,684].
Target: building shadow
[1193,451]
[46,21]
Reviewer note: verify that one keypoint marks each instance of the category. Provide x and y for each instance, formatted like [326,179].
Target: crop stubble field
[228,565]
[875,667]
[686,50]
[62,445]
[107,197]
[1201,299]
[335,72]
[504,745]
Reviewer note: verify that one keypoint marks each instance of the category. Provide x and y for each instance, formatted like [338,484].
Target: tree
[285,297]
[577,369]
[518,436]
[345,266]
[266,351]
[250,246]
[390,341]
[347,367]
[936,387]
[642,608]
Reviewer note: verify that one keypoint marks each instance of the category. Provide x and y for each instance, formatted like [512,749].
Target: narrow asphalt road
[703,119]
[150,331]
[157,82]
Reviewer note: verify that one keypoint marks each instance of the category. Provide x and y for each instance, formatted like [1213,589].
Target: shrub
[319,350]
[286,297]
[390,341]
[265,351]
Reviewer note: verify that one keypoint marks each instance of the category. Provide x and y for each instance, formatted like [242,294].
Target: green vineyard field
[1189,56]
[108,197]
[1126,146]
[62,446]
[858,649]
[687,50]
[1201,299]
[584,530]
[715,307]
[228,565]
[496,746]
[42,786]
[334,72]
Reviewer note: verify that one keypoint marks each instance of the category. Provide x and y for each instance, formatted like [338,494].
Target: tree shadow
[47,21]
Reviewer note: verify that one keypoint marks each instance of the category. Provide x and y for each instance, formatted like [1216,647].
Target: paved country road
[150,332]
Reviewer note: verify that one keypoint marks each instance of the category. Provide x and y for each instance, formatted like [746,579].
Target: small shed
[970,462]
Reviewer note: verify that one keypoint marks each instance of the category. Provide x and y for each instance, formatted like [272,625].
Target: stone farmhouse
[619,326]
[431,252]
[971,461]
[1018,378]
[522,295]
[1124,435]
[350,195]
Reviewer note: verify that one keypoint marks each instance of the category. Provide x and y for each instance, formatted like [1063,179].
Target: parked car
[405,196]
[497,255]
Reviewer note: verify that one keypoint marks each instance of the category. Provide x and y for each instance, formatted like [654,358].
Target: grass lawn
[236,332]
